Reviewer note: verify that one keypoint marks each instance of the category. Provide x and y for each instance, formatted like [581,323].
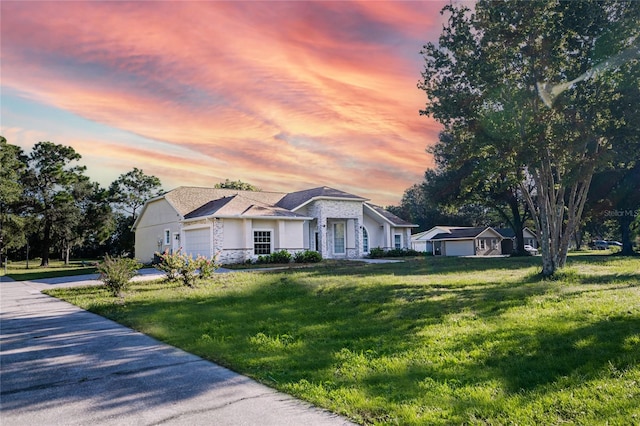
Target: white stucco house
[237,226]
[458,241]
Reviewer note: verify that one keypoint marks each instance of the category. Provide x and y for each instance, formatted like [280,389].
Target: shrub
[206,266]
[116,272]
[188,270]
[170,264]
[376,253]
[179,265]
[281,256]
[307,256]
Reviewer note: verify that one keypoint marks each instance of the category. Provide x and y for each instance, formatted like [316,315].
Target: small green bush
[116,272]
[307,256]
[281,256]
[376,253]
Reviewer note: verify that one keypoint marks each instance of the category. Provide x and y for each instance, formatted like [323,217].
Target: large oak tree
[533,90]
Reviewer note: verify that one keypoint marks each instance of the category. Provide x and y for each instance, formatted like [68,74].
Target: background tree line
[49,205]
[540,107]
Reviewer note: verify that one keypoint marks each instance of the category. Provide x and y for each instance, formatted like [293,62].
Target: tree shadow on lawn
[524,364]
[426,265]
[309,324]
[289,329]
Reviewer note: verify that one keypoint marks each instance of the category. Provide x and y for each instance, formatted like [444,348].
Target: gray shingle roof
[239,205]
[193,202]
[186,199]
[296,199]
[506,232]
[390,216]
[459,233]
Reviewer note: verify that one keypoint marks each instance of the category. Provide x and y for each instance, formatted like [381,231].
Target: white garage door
[459,248]
[197,242]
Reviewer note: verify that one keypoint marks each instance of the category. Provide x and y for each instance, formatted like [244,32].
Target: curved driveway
[61,365]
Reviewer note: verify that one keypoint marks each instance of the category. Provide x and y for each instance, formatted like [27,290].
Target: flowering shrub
[206,266]
[179,265]
[116,272]
[170,264]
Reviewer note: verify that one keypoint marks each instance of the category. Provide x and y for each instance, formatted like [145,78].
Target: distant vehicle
[601,245]
[614,243]
[532,251]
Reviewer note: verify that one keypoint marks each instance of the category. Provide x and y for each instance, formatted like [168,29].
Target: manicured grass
[19,272]
[428,341]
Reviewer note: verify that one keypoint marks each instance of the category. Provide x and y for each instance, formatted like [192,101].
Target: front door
[437,248]
[175,242]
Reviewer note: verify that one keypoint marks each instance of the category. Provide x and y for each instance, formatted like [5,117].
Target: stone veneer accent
[326,211]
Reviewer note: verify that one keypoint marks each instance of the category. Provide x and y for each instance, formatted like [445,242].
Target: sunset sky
[283,95]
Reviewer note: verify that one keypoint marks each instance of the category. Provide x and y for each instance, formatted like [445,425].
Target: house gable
[296,200]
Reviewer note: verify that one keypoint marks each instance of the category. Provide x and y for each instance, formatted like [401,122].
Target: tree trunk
[625,232]
[518,227]
[46,244]
[67,251]
[577,238]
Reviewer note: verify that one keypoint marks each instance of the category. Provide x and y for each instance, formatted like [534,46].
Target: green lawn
[428,341]
[19,272]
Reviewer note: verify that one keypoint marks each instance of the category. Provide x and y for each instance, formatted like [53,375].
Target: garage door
[197,242]
[459,248]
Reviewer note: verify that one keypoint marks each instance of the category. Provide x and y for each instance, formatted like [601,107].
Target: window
[262,242]
[481,245]
[397,241]
[338,237]
[365,240]
[167,237]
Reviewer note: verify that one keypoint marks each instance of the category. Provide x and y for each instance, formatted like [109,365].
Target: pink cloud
[226,81]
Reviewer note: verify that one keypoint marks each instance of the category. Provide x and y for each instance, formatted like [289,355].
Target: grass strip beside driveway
[427,341]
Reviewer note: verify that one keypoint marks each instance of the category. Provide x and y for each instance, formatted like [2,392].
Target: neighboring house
[459,241]
[509,239]
[241,225]
[422,240]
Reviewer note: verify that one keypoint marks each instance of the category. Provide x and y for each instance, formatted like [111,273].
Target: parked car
[529,249]
[601,245]
[615,243]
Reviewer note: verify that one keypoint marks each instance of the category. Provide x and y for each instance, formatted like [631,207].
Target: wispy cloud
[280,94]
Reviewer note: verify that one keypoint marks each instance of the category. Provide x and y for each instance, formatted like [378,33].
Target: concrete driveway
[61,365]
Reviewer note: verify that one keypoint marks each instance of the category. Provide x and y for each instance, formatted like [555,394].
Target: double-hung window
[262,242]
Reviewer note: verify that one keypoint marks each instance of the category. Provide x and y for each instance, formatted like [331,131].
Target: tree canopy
[236,184]
[13,164]
[131,190]
[538,92]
